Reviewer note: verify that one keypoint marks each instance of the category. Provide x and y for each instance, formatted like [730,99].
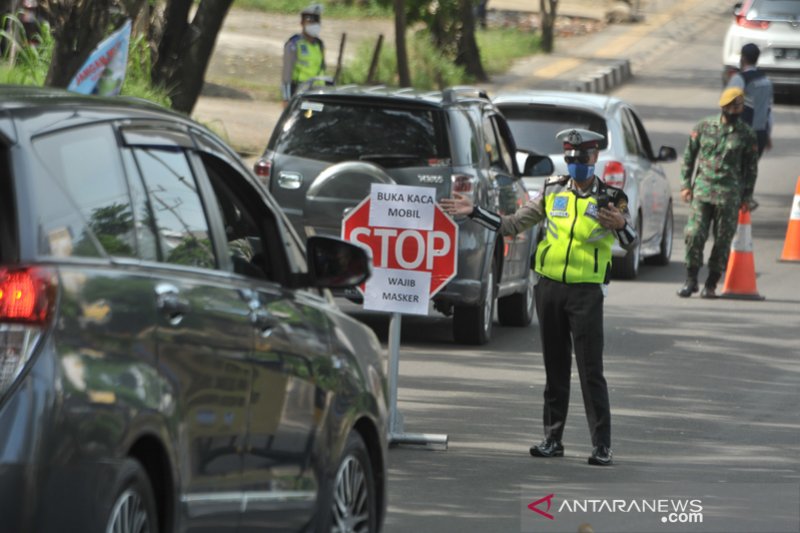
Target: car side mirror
[667,154]
[537,165]
[737,9]
[336,264]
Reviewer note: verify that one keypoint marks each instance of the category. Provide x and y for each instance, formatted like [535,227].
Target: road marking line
[619,45]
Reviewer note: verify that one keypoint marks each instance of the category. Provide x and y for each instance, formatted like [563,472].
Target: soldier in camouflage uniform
[724,151]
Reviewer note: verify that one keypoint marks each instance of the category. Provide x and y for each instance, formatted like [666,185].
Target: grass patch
[500,47]
[329,9]
[429,69]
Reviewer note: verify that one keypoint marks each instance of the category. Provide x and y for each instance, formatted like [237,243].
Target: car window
[506,150]
[83,203]
[644,139]
[492,147]
[246,242]
[535,127]
[183,230]
[774,10]
[379,133]
[629,134]
[465,145]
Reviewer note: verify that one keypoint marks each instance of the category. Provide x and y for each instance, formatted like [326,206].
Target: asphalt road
[704,394]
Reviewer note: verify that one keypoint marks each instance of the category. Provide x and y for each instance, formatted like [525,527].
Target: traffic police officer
[582,218]
[722,156]
[303,53]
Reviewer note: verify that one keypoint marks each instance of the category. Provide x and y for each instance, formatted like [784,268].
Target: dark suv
[453,140]
[169,357]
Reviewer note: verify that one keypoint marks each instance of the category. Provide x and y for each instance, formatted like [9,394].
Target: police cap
[577,140]
[312,13]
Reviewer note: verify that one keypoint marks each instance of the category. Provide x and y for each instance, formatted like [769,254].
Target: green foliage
[330,8]
[31,61]
[429,69]
[500,47]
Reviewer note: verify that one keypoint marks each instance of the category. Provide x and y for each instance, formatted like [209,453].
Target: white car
[626,160]
[773,26]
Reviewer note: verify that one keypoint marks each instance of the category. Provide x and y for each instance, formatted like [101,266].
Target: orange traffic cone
[791,247]
[740,275]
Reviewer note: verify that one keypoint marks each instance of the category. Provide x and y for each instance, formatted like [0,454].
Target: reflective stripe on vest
[309,60]
[575,248]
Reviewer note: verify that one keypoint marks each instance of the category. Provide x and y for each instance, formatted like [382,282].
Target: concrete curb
[606,78]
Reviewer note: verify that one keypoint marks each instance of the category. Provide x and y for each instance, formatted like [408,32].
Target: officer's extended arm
[525,217]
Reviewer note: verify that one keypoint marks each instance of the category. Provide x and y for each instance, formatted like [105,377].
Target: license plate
[787,53]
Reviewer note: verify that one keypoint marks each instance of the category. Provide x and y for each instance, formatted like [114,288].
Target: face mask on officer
[313,29]
[579,168]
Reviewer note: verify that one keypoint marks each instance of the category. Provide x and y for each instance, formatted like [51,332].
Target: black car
[453,140]
[170,357]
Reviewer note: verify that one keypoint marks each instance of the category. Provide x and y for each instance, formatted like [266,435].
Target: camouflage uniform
[727,158]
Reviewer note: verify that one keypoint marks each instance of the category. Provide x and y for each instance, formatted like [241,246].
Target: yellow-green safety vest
[310,60]
[576,248]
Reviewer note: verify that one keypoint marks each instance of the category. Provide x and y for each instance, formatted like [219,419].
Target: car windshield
[774,10]
[535,128]
[343,131]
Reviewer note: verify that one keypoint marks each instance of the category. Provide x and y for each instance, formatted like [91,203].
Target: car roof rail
[450,94]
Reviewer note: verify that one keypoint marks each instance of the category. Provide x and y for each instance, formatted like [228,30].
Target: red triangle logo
[534,506]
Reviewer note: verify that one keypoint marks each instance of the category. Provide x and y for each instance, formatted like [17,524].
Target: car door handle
[170,304]
[264,322]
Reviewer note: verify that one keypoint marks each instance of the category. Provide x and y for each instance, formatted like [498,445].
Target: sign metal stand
[414,242]
[396,433]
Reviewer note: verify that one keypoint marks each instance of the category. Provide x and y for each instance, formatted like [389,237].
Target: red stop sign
[431,250]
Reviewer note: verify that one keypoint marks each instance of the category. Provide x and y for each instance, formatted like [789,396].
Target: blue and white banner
[104,71]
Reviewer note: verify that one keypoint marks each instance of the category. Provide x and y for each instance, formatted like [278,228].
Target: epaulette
[556,180]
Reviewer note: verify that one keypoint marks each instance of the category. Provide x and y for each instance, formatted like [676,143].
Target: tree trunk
[185,49]
[78,27]
[400,43]
[468,55]
[547,13]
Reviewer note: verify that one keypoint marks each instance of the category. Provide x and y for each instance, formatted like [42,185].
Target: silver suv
[451,140]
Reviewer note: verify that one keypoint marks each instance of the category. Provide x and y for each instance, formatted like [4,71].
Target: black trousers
[572,314]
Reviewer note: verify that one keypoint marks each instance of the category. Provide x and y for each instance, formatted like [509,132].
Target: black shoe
[548,448]
[601,456]
[709,293]
[689,288]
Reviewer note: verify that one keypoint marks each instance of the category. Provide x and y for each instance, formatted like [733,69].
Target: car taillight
[614,174]
[26,300]
[263,169]
[742,21]
[463,185]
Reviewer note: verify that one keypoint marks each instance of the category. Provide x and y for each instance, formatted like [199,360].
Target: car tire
[133,508]
[627,267]
[665,251]
[353,497]
[518,310]
[472,324]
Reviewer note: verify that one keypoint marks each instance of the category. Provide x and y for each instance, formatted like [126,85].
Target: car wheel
[354,505]
[472,324]
[627,267]
[665,251]
[518,309]
[134,506]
